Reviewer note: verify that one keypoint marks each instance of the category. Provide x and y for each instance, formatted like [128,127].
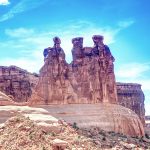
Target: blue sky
[28,26]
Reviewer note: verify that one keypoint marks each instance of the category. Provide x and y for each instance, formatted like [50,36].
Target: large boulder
[17,83]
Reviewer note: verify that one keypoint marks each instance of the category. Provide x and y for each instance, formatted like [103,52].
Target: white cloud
[20,32]
[30,40]
[125,23]
[132,70]
[136,73]
[25,63]
[22,6]
[4,2]
[29,43]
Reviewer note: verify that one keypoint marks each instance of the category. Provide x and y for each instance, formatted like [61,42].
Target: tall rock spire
[88,79]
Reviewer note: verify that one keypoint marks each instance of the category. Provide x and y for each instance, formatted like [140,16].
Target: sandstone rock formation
[109,117]
[147,119]
[88,79]
[131,96]
[147,125]
[17,83]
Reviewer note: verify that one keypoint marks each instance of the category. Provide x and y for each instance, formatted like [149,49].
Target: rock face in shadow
[88,79]
[131,96]
[17,83]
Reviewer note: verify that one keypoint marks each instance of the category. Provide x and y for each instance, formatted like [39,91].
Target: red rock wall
[82,81]
[147,125]
[131,96]
[88,79]
[17,83]
[147,121]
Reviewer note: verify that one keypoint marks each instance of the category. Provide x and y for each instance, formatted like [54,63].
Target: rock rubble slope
[21,133]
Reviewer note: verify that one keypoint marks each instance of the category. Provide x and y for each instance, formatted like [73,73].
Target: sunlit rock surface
[83,92]
[86,88]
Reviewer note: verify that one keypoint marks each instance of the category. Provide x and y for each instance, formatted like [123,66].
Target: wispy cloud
[23,62]
[22,6]
[132,70]
[20,32]
[29,43]
[126,23]
[136,73]
[4,2]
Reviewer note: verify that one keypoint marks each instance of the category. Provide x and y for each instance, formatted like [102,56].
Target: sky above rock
[28,26]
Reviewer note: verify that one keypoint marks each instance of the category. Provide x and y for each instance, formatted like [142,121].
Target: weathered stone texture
[4,99]
[147,120]
[147,125]
[17,83]
[88,79]
[109,117]
[130,95]
[86,88]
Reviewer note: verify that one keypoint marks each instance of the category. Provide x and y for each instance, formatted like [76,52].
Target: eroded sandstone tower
[19,84]
[88,79]
[85,90]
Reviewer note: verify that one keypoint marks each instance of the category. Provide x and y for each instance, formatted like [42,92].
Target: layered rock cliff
[147,118]
[131,96]
[17,83]
[147,125]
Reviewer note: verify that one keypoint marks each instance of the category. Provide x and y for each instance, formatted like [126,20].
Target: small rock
[128,146]
[146,140]
[59,144]
[2,125]
[49,127]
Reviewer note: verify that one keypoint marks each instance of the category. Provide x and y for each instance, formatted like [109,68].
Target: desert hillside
[19,132]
